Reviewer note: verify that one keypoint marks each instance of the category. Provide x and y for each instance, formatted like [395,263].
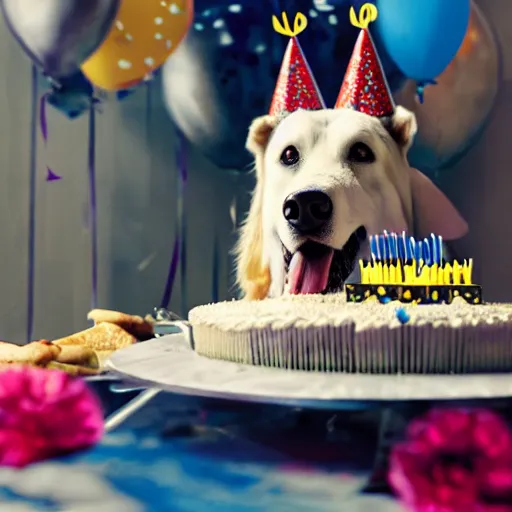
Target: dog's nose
[308,211]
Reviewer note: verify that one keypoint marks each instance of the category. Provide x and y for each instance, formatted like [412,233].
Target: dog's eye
[290,156]
[360,153]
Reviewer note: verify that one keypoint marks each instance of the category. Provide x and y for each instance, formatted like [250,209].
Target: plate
[169,363]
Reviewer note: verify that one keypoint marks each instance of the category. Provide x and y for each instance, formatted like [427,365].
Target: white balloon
[59,35]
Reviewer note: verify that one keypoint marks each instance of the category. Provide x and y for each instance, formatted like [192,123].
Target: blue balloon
[422,36]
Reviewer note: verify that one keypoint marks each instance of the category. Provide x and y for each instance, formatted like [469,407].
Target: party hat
[365,87]
[296,87]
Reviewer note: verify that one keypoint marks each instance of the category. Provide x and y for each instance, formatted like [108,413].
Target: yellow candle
[456,272]
[448,274]
[398,275]
[385,274]
[379,272]
[433,274]
[440,276]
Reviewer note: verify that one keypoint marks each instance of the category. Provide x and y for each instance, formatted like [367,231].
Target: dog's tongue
[308,274]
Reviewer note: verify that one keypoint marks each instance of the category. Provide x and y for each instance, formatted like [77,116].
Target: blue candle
[435,249]
[412,247]
[402,251]
[427,252]
[381,247]
[419,251]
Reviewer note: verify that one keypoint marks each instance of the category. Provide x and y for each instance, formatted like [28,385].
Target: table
[183,454]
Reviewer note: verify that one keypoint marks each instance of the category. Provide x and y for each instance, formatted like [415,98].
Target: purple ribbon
[32,208]
[43,123]
[179,254]
[91,164]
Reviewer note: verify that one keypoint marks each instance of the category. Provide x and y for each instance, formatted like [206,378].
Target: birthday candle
[373,250]
[394,246]
[385,273]
[440,245]
[448,274]
[393,274]
[426,252]
[373,273]
[456,272]
[405,241]
[419,251]
[382,253]
[412,247]
[379,272]
[433,274]
[466,271]
[398,274]
[402,255]
[424,276]
[440,276]
[435,249]
[386,246]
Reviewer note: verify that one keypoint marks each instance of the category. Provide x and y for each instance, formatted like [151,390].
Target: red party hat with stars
[296,87]
[365,87]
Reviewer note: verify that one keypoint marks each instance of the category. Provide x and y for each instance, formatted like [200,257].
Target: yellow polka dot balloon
[141,39]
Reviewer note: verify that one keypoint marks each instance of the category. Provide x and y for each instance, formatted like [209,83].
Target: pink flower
[454,461]
[45,413]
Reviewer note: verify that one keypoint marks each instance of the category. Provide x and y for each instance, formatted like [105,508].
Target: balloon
[73,96]
[422,36]
[225,71]
[58,35]
[143,35]
[456,109]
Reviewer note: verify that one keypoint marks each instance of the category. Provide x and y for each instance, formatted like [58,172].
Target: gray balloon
[58,35]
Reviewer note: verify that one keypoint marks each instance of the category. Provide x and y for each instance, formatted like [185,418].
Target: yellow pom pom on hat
[141,39]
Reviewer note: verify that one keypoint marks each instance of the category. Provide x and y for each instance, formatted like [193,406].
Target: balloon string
[50,175]
[32,209]
[92,207]
[179,247]
[215,268]
[182,217]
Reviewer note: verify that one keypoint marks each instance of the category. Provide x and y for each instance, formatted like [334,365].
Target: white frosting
[304,311]
[325,333]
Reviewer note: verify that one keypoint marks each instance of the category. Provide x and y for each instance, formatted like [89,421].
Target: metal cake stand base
[169,364]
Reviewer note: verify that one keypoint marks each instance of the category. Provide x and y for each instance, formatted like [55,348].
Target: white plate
[169,363]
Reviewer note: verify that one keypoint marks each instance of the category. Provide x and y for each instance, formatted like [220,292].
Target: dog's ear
[259,134]
[433,211]
[253,274]
[402,127]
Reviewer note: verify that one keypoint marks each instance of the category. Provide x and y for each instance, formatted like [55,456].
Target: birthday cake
[411,313]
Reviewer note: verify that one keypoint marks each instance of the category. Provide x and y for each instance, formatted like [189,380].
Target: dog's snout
[308,211]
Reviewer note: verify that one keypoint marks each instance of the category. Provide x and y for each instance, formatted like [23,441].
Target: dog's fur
[384,195]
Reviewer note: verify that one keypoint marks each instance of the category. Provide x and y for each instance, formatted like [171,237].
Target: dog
[326,180]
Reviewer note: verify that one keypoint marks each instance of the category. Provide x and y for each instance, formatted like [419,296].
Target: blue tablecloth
[182,454]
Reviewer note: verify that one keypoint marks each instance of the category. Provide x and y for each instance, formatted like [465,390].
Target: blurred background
[154,177]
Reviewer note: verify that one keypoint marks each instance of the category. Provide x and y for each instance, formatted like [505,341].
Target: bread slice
[141,328]
[78,355]
[71,359]
[103,338]
[33,354]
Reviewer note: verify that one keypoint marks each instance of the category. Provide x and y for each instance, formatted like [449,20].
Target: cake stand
[169,363]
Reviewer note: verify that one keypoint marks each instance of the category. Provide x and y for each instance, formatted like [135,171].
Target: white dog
[325,181]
